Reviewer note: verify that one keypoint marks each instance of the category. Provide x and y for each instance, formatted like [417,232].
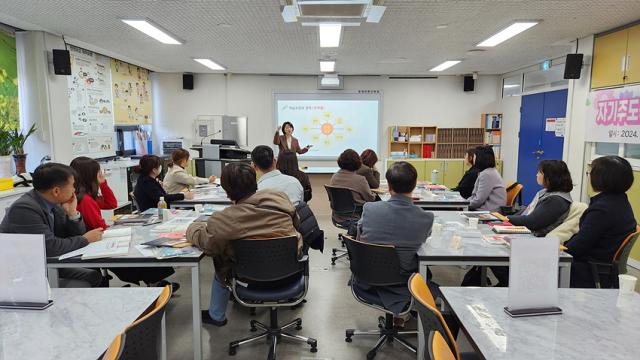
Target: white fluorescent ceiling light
[210,64]
[330,35]
[152,30]
[327,66]
[445,65]
[508,33]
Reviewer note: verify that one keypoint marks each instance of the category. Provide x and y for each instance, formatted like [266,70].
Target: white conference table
[595,324]
[80,324]
[475,251]
[142,234]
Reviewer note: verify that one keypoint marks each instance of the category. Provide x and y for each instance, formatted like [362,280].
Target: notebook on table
[115,242]
[480,215]
[511,230]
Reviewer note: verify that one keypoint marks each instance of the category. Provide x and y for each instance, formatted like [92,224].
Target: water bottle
[434,176]
[161,206]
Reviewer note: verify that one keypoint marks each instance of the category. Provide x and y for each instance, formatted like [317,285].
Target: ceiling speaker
[61,62]
[573,66]
[187,81]
[469,83]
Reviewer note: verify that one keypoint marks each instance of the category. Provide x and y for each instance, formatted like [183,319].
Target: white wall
[440,102]
[575,131]
[44,98]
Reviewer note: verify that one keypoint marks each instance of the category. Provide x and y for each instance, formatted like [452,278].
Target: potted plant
[17,140]
[5,153]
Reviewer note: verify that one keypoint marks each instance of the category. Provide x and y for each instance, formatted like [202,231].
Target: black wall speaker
[61,62]
[469,83]
[573,66]
[187,81]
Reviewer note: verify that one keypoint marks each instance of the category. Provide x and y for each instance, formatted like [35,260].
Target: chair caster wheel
[232,349]
[348,339]
[253,329]
[371,355]
[313,350]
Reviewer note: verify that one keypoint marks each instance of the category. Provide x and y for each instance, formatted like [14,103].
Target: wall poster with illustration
[131,88]
[90,104]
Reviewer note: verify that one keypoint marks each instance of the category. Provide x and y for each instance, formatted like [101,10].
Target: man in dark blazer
[50,209]
[400,223]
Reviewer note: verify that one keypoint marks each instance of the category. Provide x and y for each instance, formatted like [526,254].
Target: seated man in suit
[256,215]
[50,209]
[400,223]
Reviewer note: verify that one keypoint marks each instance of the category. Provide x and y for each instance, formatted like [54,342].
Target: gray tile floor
[329,311]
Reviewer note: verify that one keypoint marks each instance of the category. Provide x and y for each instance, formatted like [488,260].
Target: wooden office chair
[115,349]
[438,348]
[377,265]
[514,191]
[342,203]
[618,264]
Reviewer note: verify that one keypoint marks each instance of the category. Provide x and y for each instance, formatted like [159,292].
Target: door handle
[538,152]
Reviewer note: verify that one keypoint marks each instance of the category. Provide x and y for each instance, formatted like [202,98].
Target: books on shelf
[430,138]
[493,137]
[493,121]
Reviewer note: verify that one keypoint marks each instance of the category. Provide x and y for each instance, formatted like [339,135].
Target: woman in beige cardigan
[286,141]
[177,179]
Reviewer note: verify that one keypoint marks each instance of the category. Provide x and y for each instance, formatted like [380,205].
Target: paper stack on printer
[115,242]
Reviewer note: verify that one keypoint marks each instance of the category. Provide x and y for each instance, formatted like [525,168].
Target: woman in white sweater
[177,179]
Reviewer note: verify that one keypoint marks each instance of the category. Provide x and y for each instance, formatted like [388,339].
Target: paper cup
[627,284]
[198,208]
[473,223]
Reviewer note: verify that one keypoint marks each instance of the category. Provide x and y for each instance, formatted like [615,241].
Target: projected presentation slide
[331,126]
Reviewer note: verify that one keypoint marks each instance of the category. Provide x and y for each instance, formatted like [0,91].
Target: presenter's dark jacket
[33,214]
[281,141]
[468,181]
[603,226]
[148,192]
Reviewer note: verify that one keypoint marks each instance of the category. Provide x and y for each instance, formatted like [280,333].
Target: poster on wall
[9,115]
[131,94]
[614,115]
[90,104]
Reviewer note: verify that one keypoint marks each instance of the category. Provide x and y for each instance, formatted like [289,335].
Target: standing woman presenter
[286,141]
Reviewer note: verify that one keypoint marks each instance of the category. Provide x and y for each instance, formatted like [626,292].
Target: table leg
[54,281]
[565,276]
[163,335]
[197,325]
[483,276]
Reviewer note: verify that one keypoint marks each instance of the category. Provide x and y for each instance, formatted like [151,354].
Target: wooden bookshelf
[492,125]
[440,143]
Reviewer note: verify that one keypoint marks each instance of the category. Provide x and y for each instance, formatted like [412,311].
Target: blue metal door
[535,143]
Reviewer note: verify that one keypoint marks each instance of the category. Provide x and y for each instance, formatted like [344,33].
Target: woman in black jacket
[148,190]
[468,181]
[607,221]
[550,206]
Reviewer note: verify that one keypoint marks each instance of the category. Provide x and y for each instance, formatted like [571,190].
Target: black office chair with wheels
[377,265]
[342,203]
[268,273]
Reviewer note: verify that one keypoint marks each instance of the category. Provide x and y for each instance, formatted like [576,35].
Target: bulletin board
[131,89]
[90,104]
